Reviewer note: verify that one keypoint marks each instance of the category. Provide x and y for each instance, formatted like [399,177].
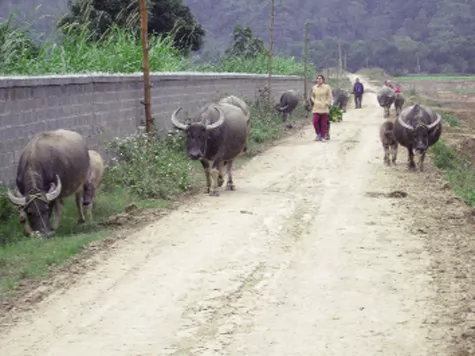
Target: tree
[245,44]
[165,16]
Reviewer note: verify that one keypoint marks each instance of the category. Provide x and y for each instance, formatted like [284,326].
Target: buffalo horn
[435,123]
[217,123]
[54,191]
[404,124]
[15,198]
[175,121]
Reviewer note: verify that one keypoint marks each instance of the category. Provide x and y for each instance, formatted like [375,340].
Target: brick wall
[106,106]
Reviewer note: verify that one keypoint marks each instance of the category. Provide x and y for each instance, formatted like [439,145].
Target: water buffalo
[217,132]
[288,102]
[398,102]
[94,178]
[389,142]
[341,98]
[417,128]
[386,98]
[52,166]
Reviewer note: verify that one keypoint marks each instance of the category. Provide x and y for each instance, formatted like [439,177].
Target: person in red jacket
[398,88]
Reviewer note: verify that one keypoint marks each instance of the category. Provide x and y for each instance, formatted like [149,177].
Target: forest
[426,36]
[406,36]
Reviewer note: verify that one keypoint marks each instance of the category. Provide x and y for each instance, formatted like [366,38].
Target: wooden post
[271,48]
[305,62]
[146,69]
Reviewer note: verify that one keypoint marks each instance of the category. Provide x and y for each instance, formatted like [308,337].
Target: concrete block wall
[102,107]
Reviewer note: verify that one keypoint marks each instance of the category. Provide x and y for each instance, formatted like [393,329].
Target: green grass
[438,77]
[451,119]
[150,176]
[118,51]
[463,91]
[457,170]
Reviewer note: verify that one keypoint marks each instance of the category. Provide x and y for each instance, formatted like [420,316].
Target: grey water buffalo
[386,98]
[399,102]
[288,102]
[417,128]
[341,98]
[389,142]
[216,133]
[93,181]
[52,166]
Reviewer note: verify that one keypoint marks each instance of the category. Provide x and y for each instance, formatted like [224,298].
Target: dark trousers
[358,100]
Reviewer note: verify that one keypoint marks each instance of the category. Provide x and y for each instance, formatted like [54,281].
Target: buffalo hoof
[206,190]
[230,187]
[81,221]
[220,181]
[214,194]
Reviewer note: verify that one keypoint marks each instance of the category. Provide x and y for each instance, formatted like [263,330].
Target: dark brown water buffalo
[417,128]
[399,102]
[341,97]
[386,98]
[389,142]
[288,102]
[52,166]
[217,133]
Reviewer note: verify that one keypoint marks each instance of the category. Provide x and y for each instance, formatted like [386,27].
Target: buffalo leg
[214,174]
[386,112]
[58,211]
[205,165]
[79,200]
[421,161]
[412,165]
[221,174]
[230,185]
[394,153]
[386,154]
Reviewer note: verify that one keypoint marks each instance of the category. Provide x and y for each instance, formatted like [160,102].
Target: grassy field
[435,77]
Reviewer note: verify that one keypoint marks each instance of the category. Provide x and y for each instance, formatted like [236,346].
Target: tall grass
[119,50]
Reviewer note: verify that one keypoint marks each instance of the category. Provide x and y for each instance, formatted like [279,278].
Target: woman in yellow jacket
[321,98]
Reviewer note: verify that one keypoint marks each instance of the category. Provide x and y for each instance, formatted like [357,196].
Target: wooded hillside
[436,36]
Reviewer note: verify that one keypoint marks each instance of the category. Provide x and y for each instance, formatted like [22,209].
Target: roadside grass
[148,176]
[438,77]
[457,170]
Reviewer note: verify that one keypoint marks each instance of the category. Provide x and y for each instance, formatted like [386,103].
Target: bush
[157,170]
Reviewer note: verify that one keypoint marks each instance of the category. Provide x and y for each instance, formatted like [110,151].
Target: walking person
[322,99]
[358,90]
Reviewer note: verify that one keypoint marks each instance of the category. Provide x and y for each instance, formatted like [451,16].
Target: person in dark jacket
[358,90]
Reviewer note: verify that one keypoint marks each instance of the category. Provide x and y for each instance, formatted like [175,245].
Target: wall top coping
[98,77]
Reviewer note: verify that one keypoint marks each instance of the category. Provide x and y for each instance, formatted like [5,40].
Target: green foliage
[457,170]
[165,17]
[432,36]
[451,119]
[157,170]
[245,45]
[336,114]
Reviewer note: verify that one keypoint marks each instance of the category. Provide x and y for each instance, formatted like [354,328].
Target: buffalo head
[35,208]
[197,133]
[421,131]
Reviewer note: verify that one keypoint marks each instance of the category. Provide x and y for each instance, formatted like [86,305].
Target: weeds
[457,170]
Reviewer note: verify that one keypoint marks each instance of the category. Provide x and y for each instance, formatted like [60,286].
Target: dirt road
[307,257]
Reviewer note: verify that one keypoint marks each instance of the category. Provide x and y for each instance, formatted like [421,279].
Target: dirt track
[309,256]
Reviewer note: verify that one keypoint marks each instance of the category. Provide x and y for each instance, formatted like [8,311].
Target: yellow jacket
[322,98]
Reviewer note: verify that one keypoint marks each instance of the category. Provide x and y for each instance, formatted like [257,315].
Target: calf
[386,135]
[94,179]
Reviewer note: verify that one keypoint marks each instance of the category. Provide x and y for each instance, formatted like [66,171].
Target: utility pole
[271,48]
[146,69]
[305,62]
